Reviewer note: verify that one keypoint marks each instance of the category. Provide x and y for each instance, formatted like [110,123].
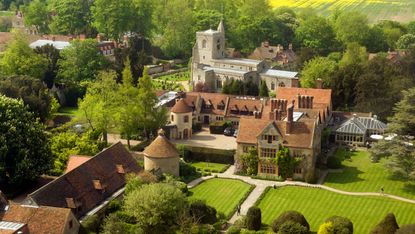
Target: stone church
[211,67]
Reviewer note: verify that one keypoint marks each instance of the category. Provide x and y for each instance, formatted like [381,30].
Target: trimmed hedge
[202,154]
[341,224]
[387,226]
[217,127]
[287,216]
[253,218]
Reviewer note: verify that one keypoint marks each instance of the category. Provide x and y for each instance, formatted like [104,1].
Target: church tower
[211,44]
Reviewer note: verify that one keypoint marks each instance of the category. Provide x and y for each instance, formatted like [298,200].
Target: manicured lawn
[181,76]
[223,194]
[317,205]
[218,167]
[361,175]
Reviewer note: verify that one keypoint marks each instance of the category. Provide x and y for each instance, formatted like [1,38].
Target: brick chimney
[305,102]
[319,83]
[290,118]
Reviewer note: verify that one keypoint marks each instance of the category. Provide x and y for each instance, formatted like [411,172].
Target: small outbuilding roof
[181,107]
[161,147]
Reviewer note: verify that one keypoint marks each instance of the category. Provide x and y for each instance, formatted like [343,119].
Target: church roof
[161,147]
[181,107]
[280,73]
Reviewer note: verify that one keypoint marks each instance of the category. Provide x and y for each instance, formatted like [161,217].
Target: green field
[212,167]
[361,175]
[400,10]
[223,194]
[317,205]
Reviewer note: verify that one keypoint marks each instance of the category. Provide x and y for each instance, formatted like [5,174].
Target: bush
[214,171]
[233,230]
[92,224]
[140,147]
[334,162]
[387,226]
[196,127]
[341,225]
[217,127]
[291,227]
[206,170]
[287,216]
[203,213]
[407,229]
[326,228]
[253,218]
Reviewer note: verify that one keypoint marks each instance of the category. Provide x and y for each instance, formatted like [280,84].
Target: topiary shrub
[291,227]
[407,229]
[253,218]
[286,216]
[326,228]
[341,224]
[203,213]
[387,226]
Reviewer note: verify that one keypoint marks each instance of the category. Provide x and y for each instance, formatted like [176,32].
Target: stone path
[262,184]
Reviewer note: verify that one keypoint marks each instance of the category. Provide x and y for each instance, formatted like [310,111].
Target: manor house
[211,67]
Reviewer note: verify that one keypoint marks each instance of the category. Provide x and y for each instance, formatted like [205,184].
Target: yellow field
[400,10]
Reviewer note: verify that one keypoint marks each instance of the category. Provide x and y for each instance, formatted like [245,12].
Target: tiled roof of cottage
[75,161]
[243,106]
[321,96]
[79,187]
[161,147]
[212,99]
[40,220]
[301,135]
[181,107]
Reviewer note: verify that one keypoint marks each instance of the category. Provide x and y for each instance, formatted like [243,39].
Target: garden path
[262,184]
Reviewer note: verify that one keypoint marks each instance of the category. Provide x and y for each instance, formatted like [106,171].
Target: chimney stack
[290,118]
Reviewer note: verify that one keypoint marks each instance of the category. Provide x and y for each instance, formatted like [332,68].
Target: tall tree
[99,103]
[113,18]
[352,27]
[51,55]
[406,41]
[403,120]
[20,59]
[263,89]
[24,145]
[318,68]
[81,61]
[70,17]
[36,14]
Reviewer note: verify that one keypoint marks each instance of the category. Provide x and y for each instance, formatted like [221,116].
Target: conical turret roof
[161,147]
[181,107]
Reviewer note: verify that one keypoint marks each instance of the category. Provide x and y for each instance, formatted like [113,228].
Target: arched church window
[204,44]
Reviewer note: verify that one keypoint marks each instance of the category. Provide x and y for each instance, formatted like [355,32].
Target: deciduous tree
[318,68]
[403,120]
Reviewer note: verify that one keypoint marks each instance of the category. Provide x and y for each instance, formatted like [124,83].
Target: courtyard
[317,205]
[203,138]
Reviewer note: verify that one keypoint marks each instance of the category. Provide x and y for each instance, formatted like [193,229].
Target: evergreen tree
[263,89]
[403,120]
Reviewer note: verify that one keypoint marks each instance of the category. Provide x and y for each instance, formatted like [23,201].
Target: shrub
[206,170]
[334,162]
[233,230]
[291,227]
[203,213]
[196,127]
[214,171]
[217,127]
[241,222]
[387,226]
[187,170]
[291,215]
[253,218]
[407,229]
[326,228]
[341,224]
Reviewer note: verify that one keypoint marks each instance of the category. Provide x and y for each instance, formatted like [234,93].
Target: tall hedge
[387,226]
[203,213]
[287,216]
[253,218]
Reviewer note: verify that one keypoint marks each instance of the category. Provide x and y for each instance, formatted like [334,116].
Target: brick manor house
[211,67]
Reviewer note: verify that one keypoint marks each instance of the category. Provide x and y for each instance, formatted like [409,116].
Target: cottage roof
[161,147]
[41,219]
[243,105]
[301,134]
[321,96]
[78,185]
[181,107]
[215,99]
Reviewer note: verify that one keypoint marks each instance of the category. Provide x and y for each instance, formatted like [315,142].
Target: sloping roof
[321,96]
[59,45]
[161,147]
[359,125]
[40,220]
[78,184]
[75,161]
[214,98]
[243,104]
[280,73]
[301,135]
[181,107]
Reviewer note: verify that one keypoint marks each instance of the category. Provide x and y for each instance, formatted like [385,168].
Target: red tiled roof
[241,104]
[161,147]
[78,183]
[40,220]
[301,135]
[211,98]
[75,161]
[181,107]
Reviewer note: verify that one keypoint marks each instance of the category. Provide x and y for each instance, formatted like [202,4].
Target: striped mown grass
[218,167]
[223,194]
[317,205]
[361,175]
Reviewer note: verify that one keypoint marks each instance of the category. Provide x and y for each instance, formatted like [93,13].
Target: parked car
[229,131]
[235,134]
